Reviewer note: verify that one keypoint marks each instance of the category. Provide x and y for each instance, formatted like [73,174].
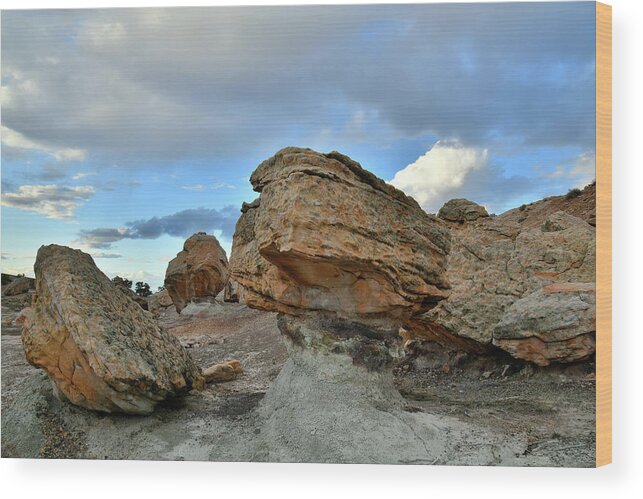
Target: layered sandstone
[198,272]
[326,235]
[99,348]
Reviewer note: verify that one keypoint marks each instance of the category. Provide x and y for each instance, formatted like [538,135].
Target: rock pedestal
[198,272]
[345,258]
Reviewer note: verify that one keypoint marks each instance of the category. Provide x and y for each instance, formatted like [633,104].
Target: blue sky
[126,130]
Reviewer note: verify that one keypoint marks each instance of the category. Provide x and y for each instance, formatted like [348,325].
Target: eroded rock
[231,292]
[326,235]
[19,286]
[200,271]
[462,210]
[99,348]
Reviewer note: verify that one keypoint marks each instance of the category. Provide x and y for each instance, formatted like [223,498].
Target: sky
[124,131]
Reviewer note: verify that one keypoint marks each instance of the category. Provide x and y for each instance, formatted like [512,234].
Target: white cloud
[578,171]
[53,201]
[222,185]
[193,188]
[11,138]
[78,176]
[434,177]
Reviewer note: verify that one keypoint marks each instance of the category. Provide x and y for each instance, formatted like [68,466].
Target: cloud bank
[53,201]
[181,224]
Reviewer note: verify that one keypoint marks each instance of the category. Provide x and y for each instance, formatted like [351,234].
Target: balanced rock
[327,235]
[199,271]
[100,349]
[19,286]
[462,210]
[344,258]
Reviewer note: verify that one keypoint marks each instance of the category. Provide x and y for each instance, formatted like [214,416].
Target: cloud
[16,140]
[53,201]
[106,255]
[144,89]
[578,171]
[439,172]
[78,176]
[181,224]
[194,188]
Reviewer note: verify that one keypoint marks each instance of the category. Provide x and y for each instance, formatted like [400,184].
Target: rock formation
[231,292]
[99,348]
[462,210]
[225,371]
[326,235]
[19,286]
[344,258]
[199,271]
[159,301]
[495,263]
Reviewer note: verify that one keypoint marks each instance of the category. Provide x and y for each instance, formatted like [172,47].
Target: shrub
[142,289]
[573,193]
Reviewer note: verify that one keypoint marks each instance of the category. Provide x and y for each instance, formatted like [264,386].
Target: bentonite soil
[545,416]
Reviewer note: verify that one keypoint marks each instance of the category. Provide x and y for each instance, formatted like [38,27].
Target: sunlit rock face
[325,235]
[101,350]
[199,271]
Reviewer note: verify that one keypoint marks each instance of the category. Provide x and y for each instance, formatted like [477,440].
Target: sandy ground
[544,417]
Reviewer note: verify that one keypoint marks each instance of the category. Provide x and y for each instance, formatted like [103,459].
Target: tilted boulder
[344,258]
[327,235]
[495,262]
[100,349]
[199,271]
[124,286]
[159,301]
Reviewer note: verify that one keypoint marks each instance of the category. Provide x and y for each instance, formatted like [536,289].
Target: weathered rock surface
[159,301]
[19,286]
[554,324]
[495,262]
[99,348]
[462,210]
[231,292]
[199,271]
[327,235]
[224,371]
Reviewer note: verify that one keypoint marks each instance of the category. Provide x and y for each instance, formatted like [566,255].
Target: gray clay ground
[529,417]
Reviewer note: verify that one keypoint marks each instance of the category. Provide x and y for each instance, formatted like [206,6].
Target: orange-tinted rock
[328,236]
[100,349]
[199,271]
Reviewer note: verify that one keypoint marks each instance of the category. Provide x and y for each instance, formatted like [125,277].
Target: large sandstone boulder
[157,302]
[124,286]
[199,271]
[344,258]
[19,286]
[100,349]
[495,262]
[327,235]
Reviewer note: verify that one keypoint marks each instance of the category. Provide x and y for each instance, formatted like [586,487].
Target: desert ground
[544,416]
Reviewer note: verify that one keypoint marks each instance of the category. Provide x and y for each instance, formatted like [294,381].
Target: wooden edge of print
[603,234]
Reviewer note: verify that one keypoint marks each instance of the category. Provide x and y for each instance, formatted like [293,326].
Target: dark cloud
[106,255]
[174,83]
[181,224]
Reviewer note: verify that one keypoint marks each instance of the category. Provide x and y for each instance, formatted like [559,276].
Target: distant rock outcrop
[495,263]
[199,271]
[231,292]
[159,301]
[462,210]
[327,235]
[19,286]
[100,349]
